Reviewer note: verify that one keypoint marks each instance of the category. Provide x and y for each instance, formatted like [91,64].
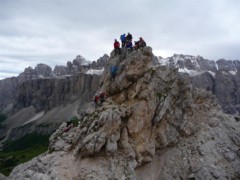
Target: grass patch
[22,150]
[161,96]
[75,121]
[152,71]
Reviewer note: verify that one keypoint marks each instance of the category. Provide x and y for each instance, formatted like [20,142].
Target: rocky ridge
[153,125]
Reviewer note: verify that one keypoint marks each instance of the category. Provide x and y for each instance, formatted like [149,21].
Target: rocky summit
[153,125]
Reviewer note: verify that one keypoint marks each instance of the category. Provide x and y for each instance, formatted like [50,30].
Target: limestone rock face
[226,91]
[9,86]
[204,81]
[43,70]
[7,92]
[224,85]
[60,71]
[45,94]
[228,65]
[153,125]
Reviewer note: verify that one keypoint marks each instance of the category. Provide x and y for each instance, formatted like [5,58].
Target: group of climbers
[127,43]
[126,40]
[99,99]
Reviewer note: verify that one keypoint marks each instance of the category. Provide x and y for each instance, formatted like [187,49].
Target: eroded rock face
[60,71]
[7,91]
[227,65]
[45,94]
[152,121]
[43,70]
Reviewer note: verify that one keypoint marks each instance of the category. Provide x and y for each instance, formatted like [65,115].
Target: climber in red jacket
[96,100]
[116,46]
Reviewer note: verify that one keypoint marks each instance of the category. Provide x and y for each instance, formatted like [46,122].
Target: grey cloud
[55,31]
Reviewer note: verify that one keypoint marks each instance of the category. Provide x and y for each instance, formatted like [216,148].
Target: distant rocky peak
[28,70]
[80,60]
[43,70]
[105,56]
[100,63]
[40,71]
[60,70]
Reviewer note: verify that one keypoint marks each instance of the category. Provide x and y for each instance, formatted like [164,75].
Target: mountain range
[157,122]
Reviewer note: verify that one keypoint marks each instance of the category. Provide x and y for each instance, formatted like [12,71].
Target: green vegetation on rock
[22,150]
[75,121]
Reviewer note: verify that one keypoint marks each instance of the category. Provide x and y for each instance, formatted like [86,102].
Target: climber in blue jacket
[129,44]
[113,72]
[123,40]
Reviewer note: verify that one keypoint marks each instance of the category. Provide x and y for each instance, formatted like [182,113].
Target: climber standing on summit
[129,37]
[116,46]
[123,40]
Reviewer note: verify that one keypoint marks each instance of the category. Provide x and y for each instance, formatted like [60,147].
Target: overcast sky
[55,31]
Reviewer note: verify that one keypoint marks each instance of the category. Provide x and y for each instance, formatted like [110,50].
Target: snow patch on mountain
[95,71]
[233,72]
[190,72]
[212,73]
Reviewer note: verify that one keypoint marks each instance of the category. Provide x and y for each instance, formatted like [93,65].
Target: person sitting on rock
[101,97]
[69,122]
[136,45]
[113,72]
[123,40]
[129,44]
[96,100]
[142,43]
[117,47]
[129,37]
